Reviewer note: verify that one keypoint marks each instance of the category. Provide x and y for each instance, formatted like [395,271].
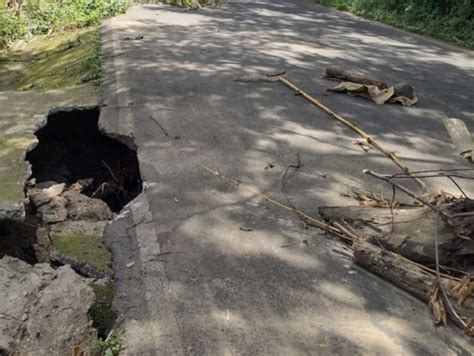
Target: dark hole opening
[17,239]
[72,148]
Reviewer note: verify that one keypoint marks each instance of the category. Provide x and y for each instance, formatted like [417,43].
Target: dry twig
[371,141]
[446,217]
[308,219]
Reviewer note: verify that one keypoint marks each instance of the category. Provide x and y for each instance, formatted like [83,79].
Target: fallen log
[461,137]
[411,278]
[408,232]
[354,77]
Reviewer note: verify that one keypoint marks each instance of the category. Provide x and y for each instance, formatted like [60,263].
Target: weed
[451,20]
[108,347]
[36,17]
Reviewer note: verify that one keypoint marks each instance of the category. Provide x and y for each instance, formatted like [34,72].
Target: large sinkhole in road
[72,148]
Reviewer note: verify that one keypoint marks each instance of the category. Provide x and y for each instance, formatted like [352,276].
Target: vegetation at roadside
[101,312]
[90,250]
[20,18]
[191,3]
[109,347]
[450,20]
[50,62]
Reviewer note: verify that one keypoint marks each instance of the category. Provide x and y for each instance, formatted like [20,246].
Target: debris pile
[56,266]
[70,227]
[427,249]
[377,91]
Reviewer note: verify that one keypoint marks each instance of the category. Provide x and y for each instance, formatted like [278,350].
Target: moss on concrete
[51,62]
[12,173]
[12,178]
[87,249]
[101,312]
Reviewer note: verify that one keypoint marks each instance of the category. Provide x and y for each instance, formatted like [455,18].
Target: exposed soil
[71,148]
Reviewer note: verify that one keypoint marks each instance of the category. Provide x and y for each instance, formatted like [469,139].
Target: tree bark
[406,275]
[353,77]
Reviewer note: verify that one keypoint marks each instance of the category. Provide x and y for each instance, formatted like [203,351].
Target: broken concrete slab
[82,207]
[18,123]
[55,211]
[43,311]
[42,196]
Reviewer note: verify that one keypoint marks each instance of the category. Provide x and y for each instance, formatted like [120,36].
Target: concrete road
[216,269]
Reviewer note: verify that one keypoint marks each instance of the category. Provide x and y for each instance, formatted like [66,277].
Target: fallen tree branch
[308,219]
[453,315]
[446,217]
[370,141]
[404,274]
[391,155]
[350,76]
[283,178]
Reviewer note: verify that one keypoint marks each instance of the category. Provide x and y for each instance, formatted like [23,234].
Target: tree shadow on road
[188,110]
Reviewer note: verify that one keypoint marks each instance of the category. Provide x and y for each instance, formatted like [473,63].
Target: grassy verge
[51,44]
[186,3]
[451,21]
[36,17]
[51,62]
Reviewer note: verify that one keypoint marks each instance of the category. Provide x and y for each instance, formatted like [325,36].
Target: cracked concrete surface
[21,115]
[204,268]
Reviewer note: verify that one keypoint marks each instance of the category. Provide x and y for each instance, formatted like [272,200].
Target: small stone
[130,264]
[55,211]
[24,317]
[42,196]
[45,185]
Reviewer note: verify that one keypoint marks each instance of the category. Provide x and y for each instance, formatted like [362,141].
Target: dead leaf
[362,143]
[375,201]
[378,95]
[77,351]
[437,306]
[463,290]
[469,330]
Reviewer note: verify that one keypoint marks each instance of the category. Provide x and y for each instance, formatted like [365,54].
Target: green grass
[36,17]
[190,3]
[449,20]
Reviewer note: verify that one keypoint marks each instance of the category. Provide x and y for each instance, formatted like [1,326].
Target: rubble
[59,240]
[43,311]
[55,211]
[81,207]
[40,196]
[408,246]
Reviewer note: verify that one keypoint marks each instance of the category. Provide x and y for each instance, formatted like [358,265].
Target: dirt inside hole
[72,148]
